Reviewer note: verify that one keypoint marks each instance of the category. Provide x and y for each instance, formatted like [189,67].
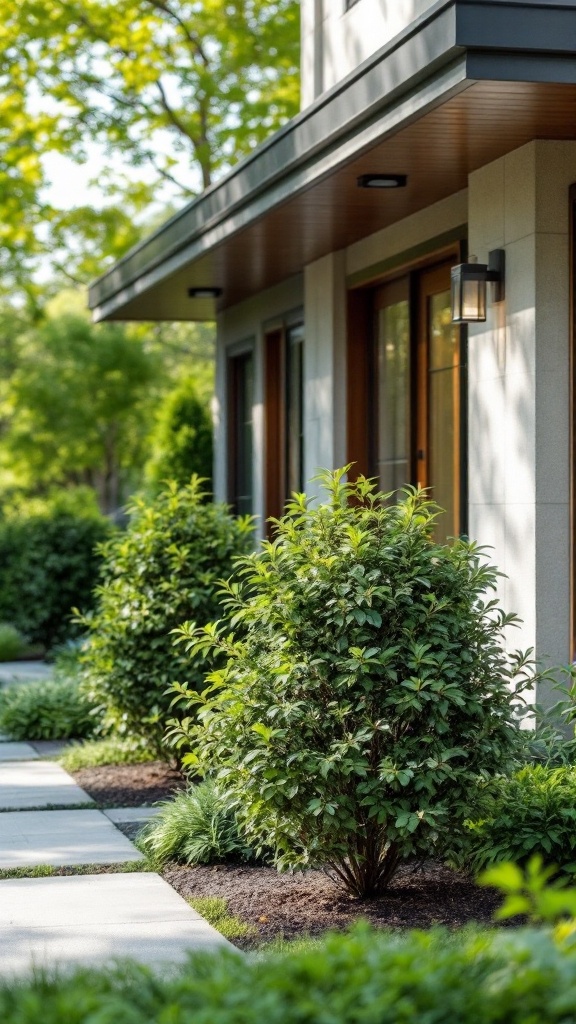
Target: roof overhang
[467,82]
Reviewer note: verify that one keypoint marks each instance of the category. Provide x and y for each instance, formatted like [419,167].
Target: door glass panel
[242,437]
[393,356]
[444,412]
[295,409]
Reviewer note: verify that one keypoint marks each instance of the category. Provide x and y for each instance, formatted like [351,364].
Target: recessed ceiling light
[382,181]
[204,293]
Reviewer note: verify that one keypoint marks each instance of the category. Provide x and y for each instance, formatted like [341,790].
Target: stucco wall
[519,409]
[336,40]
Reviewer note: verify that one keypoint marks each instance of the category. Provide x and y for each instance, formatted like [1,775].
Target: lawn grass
[215,910]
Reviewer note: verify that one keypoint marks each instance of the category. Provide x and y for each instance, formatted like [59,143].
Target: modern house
[429,130]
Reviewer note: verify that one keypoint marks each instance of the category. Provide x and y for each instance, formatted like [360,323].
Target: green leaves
[366,685]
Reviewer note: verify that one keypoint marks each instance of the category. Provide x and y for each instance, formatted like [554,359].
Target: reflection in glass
[444,412]
[394,395]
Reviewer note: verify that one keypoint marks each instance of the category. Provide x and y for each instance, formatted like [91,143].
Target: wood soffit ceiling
[438,151]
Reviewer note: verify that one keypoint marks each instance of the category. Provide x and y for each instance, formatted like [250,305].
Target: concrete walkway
[23,672]
[88,919]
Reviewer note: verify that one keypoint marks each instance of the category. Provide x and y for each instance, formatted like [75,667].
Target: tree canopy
[184,87]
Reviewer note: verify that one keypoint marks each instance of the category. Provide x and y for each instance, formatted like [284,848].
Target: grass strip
[52,871]
[215,910]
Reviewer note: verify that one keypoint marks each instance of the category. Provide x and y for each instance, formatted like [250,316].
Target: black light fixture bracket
[495,273]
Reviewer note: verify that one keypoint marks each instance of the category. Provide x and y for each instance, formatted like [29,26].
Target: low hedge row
[359,978]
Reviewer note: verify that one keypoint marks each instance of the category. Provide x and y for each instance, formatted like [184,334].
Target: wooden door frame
[360,368]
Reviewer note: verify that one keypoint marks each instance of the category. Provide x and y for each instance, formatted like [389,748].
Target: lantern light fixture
[469,282]
[382,181]
[204,293]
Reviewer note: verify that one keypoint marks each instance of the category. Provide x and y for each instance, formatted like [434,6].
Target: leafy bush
[416,978]
[182,440]
[53,710]
[368,690]
[533,812]
[197,827]
[12,642]
[163,570]
[111,750]
[49,563]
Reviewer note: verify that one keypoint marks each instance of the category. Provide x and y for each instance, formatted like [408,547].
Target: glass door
[438,414]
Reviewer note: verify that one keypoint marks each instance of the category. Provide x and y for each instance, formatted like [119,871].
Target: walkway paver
[25,784]
[23,672]
[91,920]
[61,838]
[10,751]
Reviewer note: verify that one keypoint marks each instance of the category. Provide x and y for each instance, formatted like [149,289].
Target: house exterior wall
[519,390]
[336,37]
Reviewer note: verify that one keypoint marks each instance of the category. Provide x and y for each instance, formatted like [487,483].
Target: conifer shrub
[163,570]
[365,686]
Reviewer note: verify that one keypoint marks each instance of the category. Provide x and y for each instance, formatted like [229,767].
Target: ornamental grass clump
[365,687]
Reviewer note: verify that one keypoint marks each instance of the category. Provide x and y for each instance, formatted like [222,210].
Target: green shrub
[110,750]
[53,710]
[196,827]
[163,570]
[533,812]
[12,643]
[48,565]
[359,978]
[182,439]
[368,690]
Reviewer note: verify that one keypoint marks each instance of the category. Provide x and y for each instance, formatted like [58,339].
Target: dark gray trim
[442,52]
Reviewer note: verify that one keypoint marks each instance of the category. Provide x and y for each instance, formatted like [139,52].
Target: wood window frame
[360,368]
[276,358]
[234,355]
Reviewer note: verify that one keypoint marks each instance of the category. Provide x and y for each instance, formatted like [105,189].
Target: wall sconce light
[204,293]
[469,282]
[382,181]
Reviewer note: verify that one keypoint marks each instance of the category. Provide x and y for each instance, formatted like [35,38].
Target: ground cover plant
[416,978]
[93,753]
[162,570]
[46,710]
[365,687]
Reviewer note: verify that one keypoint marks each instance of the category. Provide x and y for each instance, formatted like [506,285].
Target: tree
[162,83]
[76,409]
[181,443]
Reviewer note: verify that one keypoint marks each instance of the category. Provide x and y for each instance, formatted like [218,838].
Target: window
[406,368]
[241,440]
[284,414]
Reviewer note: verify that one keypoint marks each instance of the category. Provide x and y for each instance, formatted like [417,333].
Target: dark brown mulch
[295,905]
[130,785]
[301,904]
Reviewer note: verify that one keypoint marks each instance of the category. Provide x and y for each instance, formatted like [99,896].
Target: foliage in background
[412,978]
[368,689]
[77,407]
[533,811]
[535,893]
[12,643]
[176,92]
[196,827]
[110,750]
[181,443]
[48,565]
[162,571]
[45,710]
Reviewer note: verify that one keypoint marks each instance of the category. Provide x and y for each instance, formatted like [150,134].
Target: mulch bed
[300,904]
[309,903]
[130,785]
